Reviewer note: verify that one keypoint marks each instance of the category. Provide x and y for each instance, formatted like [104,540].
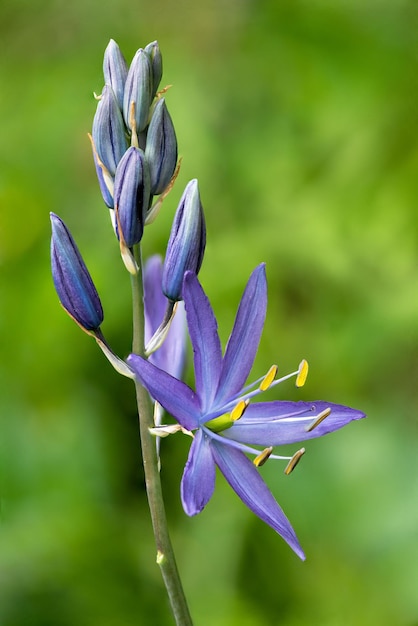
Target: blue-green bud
[153,51]
[109,133]
[131,195]
[72,280]
[187,242]
[138,90]
[115,70]
[161,148]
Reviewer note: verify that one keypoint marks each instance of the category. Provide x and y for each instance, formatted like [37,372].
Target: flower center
[218,424]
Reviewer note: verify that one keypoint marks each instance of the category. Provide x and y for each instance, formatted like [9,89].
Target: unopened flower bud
[186,245]
[109,134]
[138,92]
[72,280]
[115,70]
[161,148]
[131,195]
[153,51]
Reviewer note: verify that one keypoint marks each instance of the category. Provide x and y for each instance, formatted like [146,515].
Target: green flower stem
[165,554]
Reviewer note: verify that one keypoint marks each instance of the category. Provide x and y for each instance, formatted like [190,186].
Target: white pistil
[318,420]
[263,456]
[294,461]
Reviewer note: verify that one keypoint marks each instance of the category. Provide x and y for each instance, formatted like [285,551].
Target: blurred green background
[299,118]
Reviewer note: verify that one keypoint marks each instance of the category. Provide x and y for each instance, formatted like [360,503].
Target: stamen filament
[250,394]
[294,461]
[318,420]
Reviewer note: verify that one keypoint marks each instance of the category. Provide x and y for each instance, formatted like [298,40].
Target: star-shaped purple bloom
[227,424]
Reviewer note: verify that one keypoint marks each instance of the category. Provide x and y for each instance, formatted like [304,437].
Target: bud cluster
[133,138]
[135,154]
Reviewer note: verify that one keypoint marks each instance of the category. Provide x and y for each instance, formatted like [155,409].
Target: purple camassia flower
[220,410]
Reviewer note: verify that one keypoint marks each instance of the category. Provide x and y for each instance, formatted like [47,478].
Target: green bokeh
[300,120]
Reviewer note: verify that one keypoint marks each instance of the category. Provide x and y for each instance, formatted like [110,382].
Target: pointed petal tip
[245,337]
[300,553]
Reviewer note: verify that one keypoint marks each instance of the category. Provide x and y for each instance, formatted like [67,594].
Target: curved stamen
[268,378]
[263,456]
[226,408]
[318,420]
[229,442]
[247,449]
[294,461]
[295,416]
[302,373]
[239,410]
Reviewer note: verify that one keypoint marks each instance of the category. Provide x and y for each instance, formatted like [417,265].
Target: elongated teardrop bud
[187,242]
[161,148]
[138,92]
[109,133]
[153,51]
[72,280]
[115,70]
[131,195]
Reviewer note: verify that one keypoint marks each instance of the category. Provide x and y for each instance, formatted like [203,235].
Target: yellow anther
[268,378]
[319,418]
[302,373]
[238,410]
[263,456]
[294,461]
